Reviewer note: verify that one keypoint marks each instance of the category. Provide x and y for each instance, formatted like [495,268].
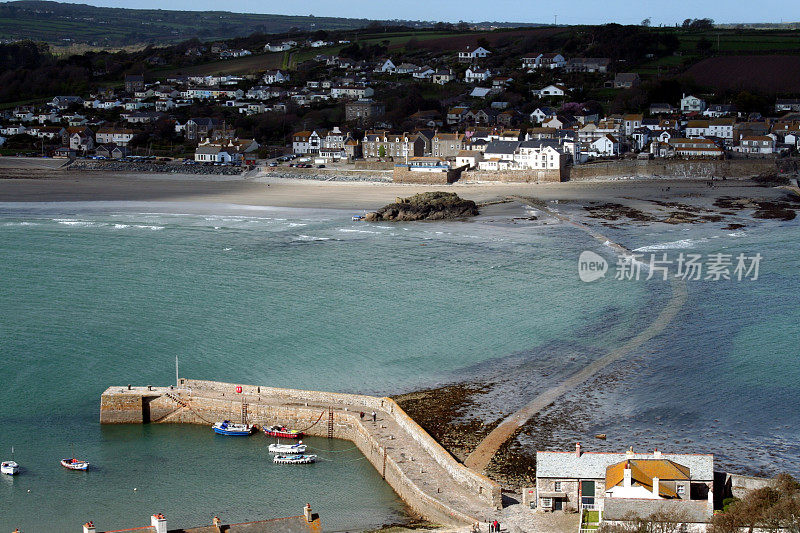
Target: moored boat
[357,218]
[294,459]
[10,468]
[74,464]
[287,448]
[282,432]
[227,427]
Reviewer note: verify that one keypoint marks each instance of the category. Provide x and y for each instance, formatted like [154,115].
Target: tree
[704,45]
[687,23]
[646,22]
[382,151]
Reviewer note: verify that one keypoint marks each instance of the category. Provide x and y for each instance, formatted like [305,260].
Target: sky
[542,11]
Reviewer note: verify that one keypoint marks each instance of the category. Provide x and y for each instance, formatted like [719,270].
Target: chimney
[577,449]
[657,454]
[88,527]
[307,513]
[710,503]
[158,523]
[629,453]
[656,488]
[626,476]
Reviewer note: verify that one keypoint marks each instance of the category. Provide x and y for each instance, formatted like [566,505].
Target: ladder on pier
[244,413]
[330,422]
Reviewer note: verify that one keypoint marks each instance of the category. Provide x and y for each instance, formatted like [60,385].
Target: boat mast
[177,380]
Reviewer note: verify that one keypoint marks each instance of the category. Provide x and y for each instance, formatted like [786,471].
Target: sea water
[100,294]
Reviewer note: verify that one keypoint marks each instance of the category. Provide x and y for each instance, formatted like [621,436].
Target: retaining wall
[671,168]
[120,405]
[517,176]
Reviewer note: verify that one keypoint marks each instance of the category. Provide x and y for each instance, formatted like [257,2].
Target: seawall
[430,481]
[670,168]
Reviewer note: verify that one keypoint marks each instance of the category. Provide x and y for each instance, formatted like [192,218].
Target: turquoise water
[99,294]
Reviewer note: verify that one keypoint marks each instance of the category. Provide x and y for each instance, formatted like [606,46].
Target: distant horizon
[473,12]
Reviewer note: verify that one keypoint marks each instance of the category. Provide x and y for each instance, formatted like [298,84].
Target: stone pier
[430,481]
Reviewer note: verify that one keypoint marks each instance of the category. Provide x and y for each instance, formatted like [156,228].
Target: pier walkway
[422,473]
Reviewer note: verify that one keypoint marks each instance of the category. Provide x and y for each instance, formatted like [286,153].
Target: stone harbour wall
[672,168]
[212,401]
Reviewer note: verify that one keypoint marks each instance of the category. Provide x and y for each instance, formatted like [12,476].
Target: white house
[306,142]
[211,153]
[275,76]
[551,90]
[277,47]
[118,136]
[471,53]
[546,61]
[387,66]
[477,74]
[605,146]
[424,72]
[542,113]
[692,103]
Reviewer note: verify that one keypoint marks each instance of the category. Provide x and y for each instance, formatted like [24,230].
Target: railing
[590,506]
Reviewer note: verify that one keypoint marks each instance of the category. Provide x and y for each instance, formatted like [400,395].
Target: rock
[436,205]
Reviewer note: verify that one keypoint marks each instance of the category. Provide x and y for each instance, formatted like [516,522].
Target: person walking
[362,415]
[374,416]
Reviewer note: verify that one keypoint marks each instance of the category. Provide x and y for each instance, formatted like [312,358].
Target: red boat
[282,432]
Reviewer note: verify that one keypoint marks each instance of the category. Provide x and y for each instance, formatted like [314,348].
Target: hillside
[59,23]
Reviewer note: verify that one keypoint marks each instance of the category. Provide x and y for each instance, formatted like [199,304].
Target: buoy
[135,489]
[239,389]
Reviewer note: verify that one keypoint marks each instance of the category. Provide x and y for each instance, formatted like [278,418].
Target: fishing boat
[10,468]
[358,218]
[287,448]
[74,464]
[294,459]
[282,432]
[226,427]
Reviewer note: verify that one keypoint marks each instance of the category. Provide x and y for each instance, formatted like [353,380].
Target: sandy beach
[34,180]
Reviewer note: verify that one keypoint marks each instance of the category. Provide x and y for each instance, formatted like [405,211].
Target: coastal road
[480,457]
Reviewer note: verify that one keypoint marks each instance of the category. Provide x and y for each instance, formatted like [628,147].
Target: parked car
[320,166]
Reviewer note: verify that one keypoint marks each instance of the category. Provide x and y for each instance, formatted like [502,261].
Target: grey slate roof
[695,511]
[592,465]
[540,143]
[502,147]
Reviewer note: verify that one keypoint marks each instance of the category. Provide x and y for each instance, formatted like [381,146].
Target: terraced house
[395,145]
[447,145]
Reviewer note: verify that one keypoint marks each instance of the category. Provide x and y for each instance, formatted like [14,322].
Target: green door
[587,492]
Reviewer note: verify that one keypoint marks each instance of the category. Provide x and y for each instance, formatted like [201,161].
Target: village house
[605,146]
[277,47]
[81,142]
[306,142]
[543,61]
[134,83]
[395,145]
[626,80]
[691,103]
[117,136]
[787,104]
[456,115]
[578,479]
[540,114]
[471,53]
[423,73]
[275,76]
[720,110]
[406,68]
[447,145]
[588,64]
[363,110]
[199,127]
[631,123]
[387,66]
[112,151]
[469,158]
[757,144]
[550,90]
[351,91]
[661,109]
[63,102]
[697,147]
[477,74]
[442,76]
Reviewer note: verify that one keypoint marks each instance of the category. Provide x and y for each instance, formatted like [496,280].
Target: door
[587,492]
[558,504]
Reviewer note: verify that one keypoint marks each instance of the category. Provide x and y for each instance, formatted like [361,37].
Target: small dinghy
[282,432]
[9,468]
[358,218]
[287,448]
[227,427]
[294,459]
[74,464]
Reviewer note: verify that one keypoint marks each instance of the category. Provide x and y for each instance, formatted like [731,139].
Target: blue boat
[227,427]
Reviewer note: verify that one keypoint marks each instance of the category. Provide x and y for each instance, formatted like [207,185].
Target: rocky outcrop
[426,206]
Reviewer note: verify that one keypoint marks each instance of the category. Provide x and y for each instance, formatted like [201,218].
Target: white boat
[294,459]
[10,468]
[229,428]
[287,448]
[74,464]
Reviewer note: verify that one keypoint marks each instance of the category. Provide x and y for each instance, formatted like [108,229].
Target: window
[680,489]
[557,486]
[547,503]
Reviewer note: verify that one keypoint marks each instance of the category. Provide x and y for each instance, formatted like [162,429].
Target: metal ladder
[330,422]
[244,413]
